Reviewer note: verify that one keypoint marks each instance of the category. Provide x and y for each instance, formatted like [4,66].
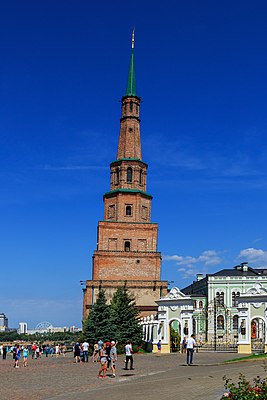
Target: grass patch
[250,357]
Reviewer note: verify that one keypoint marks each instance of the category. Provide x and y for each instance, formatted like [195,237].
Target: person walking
[108,348]
[128,354]
[85,347]
[103,361]
[34,347]
[4,352]
[16,352]
[25,356]
[95,353]
[184,345]
[190,344]
[77,352]
[113,358]
[159,346]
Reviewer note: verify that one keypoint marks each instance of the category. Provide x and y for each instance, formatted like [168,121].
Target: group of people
[17,350]
[36,351]
[106,354]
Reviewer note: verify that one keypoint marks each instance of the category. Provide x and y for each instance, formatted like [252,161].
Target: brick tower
[126,251]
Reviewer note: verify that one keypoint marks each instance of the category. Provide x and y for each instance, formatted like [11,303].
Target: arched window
[220,322]
[235,296]
[129,175]
[127,246]
[131,106]
[220,299]
[235,322]
[128,211]
[201,304]
[195,304]
[117,179]
[217,298]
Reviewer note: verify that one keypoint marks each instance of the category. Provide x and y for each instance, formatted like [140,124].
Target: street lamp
[83,283]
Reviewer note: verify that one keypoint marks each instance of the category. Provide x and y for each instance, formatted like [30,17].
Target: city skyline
[201,73]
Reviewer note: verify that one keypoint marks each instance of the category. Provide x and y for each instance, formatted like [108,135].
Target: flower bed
[244,389]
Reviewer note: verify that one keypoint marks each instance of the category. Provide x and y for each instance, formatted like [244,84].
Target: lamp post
[215,324]
[83,283]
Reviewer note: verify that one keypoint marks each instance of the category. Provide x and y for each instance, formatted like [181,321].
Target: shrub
[244,389]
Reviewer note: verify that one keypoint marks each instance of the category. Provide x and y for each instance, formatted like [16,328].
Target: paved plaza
[153,377]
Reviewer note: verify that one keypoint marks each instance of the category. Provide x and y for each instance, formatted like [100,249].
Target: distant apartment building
[23,327]
[3,322]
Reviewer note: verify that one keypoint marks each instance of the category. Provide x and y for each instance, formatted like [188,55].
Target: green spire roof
[131,86]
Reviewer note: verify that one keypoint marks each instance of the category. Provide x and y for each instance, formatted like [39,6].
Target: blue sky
[201,72]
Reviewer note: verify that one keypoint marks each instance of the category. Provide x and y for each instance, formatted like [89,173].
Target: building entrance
[175,336]
[257,335]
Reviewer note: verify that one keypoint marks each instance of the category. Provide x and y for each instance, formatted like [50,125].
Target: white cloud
[190,265]
[258,257]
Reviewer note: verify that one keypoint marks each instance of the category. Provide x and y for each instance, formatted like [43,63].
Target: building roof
[237,271]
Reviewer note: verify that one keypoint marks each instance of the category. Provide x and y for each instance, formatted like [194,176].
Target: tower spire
[131,86]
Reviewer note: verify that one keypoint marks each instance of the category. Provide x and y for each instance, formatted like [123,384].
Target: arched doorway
[257,335]
[175,335]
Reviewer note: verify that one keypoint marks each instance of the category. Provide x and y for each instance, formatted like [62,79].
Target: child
[25,356]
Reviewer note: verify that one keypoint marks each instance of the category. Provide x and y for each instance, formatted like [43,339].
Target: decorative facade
[222,291]
[126,251]
[226,311]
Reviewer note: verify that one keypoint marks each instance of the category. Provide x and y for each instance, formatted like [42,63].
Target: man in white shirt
[85,347]
[128,354]
[190,343]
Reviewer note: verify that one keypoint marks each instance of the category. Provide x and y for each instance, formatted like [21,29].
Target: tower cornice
[128,191]
[120,160]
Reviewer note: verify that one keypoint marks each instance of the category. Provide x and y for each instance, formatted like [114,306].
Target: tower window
[128,211]
[144,212]
[117,178]
[141,177]
[129,175]
[127,246]
[111,211]
[131,106]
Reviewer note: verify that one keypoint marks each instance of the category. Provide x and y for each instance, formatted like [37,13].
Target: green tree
[124,317]
[97,325]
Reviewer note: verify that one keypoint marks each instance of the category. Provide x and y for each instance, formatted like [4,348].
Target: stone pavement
[154,377]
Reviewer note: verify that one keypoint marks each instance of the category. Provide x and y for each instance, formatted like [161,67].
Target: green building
[226,311]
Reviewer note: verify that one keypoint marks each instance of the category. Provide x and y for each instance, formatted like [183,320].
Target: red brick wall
[130,266]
